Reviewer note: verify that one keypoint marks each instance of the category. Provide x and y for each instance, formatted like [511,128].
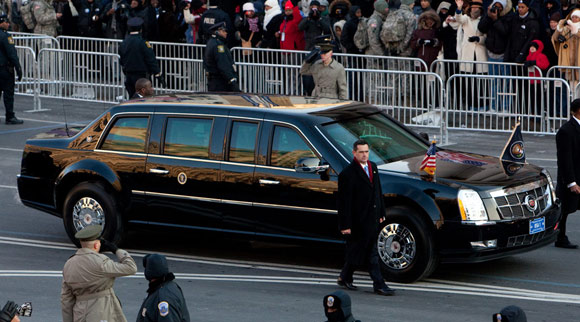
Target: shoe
[14,120]
[347,285]
[386,291]
[564,243]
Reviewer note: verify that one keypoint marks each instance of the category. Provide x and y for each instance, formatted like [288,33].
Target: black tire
[97,201]
[406,247]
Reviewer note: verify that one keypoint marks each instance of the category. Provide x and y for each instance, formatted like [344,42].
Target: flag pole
[435,173]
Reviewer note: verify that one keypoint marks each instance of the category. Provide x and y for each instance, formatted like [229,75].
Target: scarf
[253,22]
[272,12]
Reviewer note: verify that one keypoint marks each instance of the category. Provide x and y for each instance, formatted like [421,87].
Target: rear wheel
[89,203]
[406,247]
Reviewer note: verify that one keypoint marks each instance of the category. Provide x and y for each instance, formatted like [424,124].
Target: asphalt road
[229,279]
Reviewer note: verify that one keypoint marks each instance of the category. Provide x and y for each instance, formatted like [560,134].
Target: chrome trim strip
[330,143]
[121,152]
[542,197]
[519,189]
[286,207]
[237,202]
[163,156]
[160,194]
[138,192]
[295,127]
[240,164]
[274,168]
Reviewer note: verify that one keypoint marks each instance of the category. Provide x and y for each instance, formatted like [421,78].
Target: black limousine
[267,166]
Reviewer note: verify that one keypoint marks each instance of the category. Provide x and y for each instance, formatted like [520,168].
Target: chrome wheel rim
[397,247]
[86,212]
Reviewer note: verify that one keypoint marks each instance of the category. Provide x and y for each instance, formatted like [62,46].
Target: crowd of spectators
[492,30]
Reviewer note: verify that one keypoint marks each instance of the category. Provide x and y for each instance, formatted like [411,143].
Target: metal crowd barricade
[86,76]
[35,42]
[28,85]
[539,103]
[570,73]
[97,45]
[181,75]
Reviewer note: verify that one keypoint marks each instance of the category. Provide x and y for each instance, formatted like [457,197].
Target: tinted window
[287,147]
[243,142]
[127,134]
[187,137]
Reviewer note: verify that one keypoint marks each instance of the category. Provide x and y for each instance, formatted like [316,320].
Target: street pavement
[229,279]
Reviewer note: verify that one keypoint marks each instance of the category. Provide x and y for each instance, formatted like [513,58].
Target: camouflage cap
[89,233]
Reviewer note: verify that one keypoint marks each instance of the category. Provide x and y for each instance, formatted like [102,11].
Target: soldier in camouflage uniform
[375,22]
[46,17]
[403,48]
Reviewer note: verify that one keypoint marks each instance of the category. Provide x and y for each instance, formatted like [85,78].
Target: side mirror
[424,135]
[310,165]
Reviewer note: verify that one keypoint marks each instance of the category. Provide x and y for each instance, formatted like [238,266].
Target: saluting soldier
[329,75]
[165,301]
[8,63]
[87,288]
[137,57]
[219,63]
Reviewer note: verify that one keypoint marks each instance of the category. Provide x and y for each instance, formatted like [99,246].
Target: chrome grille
[511,202]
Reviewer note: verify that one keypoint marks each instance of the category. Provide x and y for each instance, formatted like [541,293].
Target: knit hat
[248,6]
[556,16]
[575,13]
[443,5]
[526,2]
[340,24]
[535,45]
[314,3]
[381,6]
[476,3]
[502,2]
[288,5]
[272,3]
[155,266]
[407,2]
[323,3]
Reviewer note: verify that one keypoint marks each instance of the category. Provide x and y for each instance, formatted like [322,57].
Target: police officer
[8,63]
[88,277]
[215,15]
[137,57]
[329,75]
[337,307]
[219,63]
[165,301]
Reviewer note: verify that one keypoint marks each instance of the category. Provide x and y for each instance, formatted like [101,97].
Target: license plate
[537,225]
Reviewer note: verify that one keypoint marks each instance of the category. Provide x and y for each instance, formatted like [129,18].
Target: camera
[25,309]
[493,9]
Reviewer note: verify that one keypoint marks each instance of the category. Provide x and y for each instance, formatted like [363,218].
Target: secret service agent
[219,63]
[8,63]
[165,301]
[137,56]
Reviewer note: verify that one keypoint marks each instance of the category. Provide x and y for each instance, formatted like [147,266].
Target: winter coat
[540,59]
[403,48]
[45,17]
[447,35]
[89,27]
[330,81]
[243,26]
[291,38]
[87,288]
[116,23]
[471,51]
[545,14]
[269,39]
[427,53]
[569,51]
[497,31]
[348,31]
[521,33]
[374,25]
[313,28]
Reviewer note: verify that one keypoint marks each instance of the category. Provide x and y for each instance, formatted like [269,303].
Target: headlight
[471,206]
[552,192]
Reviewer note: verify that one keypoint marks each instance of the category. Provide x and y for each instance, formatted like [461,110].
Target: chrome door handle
[264,181]
[159,171]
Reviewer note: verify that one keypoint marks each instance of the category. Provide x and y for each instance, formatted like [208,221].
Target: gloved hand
[161,80]
[313,56]
[8,312]
[19,74]
[561,38]
[429,42]
[108,246]
[520,58]
[529,63]
[233,84]
[421,41]
[473,39]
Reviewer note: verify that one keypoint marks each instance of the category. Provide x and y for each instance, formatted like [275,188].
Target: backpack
[361,38]
[394,28]
[27,15]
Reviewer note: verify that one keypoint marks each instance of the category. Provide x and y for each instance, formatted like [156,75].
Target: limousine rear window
[388,142]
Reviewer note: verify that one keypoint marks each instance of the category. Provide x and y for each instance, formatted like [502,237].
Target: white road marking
[428,285]
[8,187]
[11,150]
[540,159]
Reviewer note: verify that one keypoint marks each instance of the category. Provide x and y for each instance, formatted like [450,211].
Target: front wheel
[406,247]
[89,203]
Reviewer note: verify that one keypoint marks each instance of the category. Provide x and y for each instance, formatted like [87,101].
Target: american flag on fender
[429,163]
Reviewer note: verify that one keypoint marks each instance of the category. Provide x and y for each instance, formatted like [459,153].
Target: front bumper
[512,237]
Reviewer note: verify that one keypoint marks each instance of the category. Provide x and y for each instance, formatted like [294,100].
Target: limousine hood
[468,169]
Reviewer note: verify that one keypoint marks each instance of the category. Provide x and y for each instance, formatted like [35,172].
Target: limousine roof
[244,100]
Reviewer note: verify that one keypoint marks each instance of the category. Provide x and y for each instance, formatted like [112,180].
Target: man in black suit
[360,210]
[567,188]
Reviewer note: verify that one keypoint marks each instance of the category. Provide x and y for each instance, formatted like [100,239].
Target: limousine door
[289,203]
[183,176]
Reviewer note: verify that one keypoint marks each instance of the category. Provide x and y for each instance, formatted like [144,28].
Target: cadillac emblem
[182,178]
[517,150]
[530,203]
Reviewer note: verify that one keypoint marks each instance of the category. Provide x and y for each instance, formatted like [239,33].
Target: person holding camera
[88,277]
[314,25]
[566,41]
[115,16]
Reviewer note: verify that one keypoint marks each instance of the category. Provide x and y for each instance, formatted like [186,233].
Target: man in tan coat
[88,278]
[329,75]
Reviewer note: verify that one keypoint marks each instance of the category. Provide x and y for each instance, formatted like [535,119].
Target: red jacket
[290,37]
[541,61]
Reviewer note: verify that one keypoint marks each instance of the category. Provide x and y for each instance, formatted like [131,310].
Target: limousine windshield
[388,142]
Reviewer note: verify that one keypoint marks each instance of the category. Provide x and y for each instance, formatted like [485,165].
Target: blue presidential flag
[514,149]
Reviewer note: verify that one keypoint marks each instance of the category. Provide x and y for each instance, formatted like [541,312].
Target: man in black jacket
[360,210]
[165,301]
[568,186]
[523,29]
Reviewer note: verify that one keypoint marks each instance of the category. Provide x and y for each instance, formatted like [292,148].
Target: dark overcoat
[568,152]
[360,206]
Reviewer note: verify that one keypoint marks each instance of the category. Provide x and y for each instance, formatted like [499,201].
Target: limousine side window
[243,142]
[128,134]
[287,147]
[188,137]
